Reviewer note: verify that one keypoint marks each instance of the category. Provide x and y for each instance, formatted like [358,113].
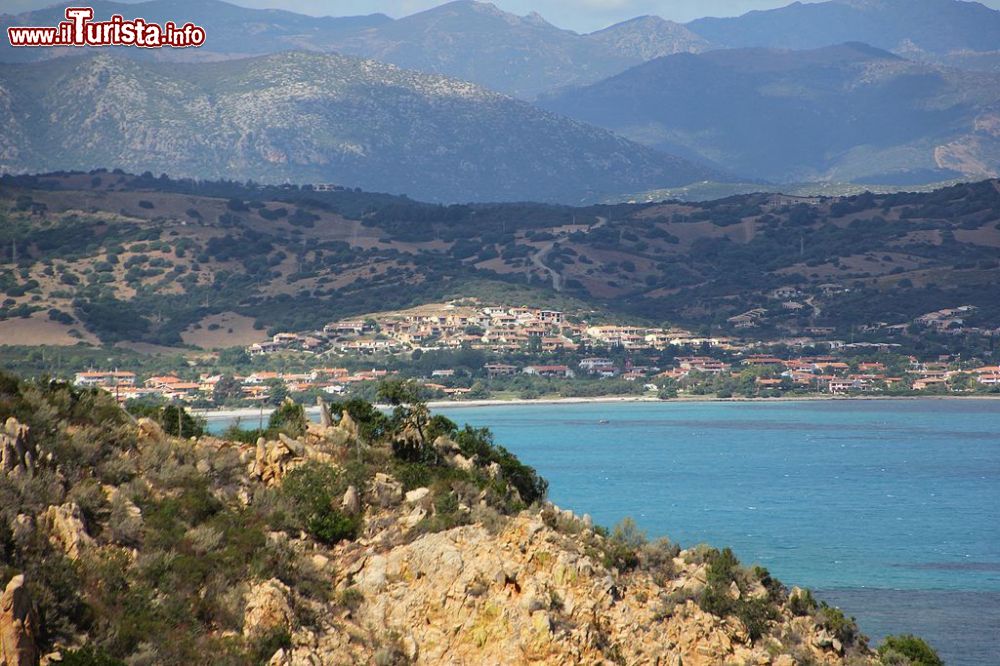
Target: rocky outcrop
[385,491]
[272,459]
[67,529]
[534,594]
[19,626]
[268,609]
[351,504]
[325,419]
[349,426]
[149,430]
[17,456]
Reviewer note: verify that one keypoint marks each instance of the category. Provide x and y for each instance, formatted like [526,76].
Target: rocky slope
[314,118]
[362,539]
[648,37]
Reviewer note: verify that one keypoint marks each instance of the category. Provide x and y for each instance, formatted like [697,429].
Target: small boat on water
[603,422]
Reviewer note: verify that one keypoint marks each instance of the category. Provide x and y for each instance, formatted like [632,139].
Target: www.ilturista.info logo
[80,30]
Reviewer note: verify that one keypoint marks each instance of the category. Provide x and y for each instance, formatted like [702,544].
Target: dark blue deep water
[889,509]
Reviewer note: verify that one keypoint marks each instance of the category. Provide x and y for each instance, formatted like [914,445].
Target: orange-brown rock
[18,626]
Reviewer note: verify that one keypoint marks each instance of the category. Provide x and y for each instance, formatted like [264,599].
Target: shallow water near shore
[891,509]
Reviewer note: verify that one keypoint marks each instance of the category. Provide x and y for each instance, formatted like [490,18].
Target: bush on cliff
[719,597]
[479,442]
[316,490]
[907,650]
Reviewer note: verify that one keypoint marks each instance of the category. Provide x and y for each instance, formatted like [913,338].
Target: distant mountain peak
[647,37]
[476,7]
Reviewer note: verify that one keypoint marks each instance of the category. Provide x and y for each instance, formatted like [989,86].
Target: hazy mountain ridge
[845,113]
[933,26]
[475,41]
[314,118]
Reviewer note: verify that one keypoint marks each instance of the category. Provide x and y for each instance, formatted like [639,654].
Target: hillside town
[518,345]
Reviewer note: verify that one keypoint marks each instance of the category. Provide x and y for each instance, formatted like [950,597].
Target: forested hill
[111,256]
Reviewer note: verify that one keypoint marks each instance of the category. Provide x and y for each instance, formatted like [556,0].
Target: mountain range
[526,55]
[841,113]
[313,118]
[881,92]
[474,41]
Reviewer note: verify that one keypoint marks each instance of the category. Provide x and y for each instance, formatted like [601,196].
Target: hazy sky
[580,15]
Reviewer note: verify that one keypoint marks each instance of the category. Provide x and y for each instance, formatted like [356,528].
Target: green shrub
[617,555]
[802,603]
[756,614]
[289,418]
[834,620]
[264,647]
[915,649]
[479,442]
[316,491]
[723,571]
[89,655]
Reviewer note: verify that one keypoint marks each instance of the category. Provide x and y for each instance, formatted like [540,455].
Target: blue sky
[580,15]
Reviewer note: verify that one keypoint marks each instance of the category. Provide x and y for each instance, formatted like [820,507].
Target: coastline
[249,413]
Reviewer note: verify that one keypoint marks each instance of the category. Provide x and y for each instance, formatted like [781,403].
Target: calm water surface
[891,509]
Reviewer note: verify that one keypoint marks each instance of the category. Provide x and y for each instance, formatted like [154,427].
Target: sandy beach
[249,415]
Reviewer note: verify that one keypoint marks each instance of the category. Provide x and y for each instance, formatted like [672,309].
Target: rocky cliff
[364,539]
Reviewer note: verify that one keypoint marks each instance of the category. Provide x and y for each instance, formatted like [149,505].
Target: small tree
[277,392]
[289,418]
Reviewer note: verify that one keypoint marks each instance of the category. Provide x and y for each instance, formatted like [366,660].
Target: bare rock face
[349,425]
[17,456]
[149,430]
[386,491]
[531,594]
[268,609]
[67,529]
[325,419]
[272,460]
[18,626]
[351,503]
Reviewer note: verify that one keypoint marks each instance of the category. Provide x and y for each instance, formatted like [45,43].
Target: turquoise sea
[889,509]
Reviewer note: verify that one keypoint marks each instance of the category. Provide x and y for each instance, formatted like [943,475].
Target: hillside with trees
[112,257]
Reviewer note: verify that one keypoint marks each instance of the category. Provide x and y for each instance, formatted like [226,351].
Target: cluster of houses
[829,374]
[253,387]
[491,328]
[503,330]
[820,374]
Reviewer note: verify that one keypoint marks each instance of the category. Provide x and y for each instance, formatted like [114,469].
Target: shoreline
[247,413]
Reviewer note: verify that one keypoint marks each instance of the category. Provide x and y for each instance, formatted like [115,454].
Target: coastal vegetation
[141,547]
